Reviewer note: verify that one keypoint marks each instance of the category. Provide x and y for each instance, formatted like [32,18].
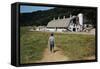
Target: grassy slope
[32,45]
[75,46]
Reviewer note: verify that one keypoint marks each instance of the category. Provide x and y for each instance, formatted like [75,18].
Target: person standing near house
[51,42]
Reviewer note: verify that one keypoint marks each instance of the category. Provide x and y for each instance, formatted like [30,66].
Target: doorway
[74,29]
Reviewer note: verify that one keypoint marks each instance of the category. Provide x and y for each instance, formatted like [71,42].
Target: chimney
[58,17]
[53,18]
[63,17]
[70,15]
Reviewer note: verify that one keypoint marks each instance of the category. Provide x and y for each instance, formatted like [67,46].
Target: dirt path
[53,57]
[57,55]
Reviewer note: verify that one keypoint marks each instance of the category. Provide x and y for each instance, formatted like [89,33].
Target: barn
[73,24]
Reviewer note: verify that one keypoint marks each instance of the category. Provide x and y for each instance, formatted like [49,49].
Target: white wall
[60,30]
[5,36]
[55,30]
[51,30]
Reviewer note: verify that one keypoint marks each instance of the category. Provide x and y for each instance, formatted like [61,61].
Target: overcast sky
[25,9]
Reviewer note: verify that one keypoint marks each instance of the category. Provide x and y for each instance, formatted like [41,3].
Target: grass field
[32,45]
[74,46]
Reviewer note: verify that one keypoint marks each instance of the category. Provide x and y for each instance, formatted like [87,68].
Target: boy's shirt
[51,39]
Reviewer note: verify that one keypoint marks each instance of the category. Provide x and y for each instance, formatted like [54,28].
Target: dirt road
[57,55]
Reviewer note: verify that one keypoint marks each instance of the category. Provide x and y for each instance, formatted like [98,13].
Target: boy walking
[51,42]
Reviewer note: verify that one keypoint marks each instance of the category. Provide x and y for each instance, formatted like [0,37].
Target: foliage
[43,17]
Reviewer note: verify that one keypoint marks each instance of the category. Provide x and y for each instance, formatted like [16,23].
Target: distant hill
[43,17]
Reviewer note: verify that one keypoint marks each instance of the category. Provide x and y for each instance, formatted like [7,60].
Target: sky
[26,9]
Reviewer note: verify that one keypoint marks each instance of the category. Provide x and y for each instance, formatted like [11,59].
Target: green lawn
[74,46]
[32,45]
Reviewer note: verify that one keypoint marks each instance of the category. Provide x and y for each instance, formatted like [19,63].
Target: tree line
[42,18]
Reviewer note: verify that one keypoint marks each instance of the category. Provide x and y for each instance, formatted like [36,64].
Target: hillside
[43,17]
